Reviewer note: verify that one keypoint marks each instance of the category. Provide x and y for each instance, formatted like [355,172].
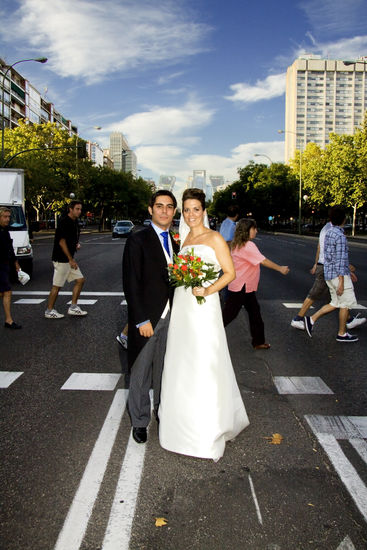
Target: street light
[9,67]
[262,155]
[300,180]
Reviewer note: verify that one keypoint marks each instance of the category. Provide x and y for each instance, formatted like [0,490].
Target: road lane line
[63,293]
[306,385]
[118,531]
[76,522]
[8,377]
[361,447]
[346,544]
[346,471]
[257,507]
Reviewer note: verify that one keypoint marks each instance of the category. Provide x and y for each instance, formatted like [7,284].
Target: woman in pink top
[242,291]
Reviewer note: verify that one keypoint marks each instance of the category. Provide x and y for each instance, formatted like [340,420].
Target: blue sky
[192,84]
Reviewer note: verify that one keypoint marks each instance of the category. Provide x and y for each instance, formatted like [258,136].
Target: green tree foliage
[54,167]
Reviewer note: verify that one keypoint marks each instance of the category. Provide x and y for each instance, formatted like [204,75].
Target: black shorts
[4,277]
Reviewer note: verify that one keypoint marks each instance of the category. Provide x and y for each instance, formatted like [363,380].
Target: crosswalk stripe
[301,385]
[63,293]
[76,522]
[33,301]
[346,471]
[8,377]
[95,381]
[118,530]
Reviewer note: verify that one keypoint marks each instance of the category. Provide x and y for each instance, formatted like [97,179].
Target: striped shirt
[336,256]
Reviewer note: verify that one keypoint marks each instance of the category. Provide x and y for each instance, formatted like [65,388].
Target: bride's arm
[225,260]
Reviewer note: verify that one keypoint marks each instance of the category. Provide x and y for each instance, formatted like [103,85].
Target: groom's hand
[146,330]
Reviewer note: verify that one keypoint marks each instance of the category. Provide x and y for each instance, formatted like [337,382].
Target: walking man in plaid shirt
[339,275]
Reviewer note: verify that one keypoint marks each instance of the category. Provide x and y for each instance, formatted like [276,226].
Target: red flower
[175,266]
[184,267]
[192,258]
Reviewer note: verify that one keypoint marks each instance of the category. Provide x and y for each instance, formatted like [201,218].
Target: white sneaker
[298,324]
[77,311]
[53,314]
[356,321]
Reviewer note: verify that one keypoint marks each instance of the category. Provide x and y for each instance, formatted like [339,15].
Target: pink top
[247,260]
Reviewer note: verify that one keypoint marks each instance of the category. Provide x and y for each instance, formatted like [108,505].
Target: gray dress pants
[146,373]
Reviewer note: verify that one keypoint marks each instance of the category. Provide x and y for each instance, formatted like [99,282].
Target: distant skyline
[193,85]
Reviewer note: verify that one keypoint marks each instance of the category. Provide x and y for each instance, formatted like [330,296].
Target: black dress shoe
[12,325]
[140,435]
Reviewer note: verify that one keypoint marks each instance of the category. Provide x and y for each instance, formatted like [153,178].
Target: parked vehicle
[122,228]
[147,222]
[12,195]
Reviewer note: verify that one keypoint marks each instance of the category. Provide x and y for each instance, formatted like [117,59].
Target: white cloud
[92,40]
[346,48]
[160,125]
[178,162]
[272,86]
[336,16]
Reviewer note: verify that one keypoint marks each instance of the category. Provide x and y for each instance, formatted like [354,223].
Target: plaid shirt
[336,260]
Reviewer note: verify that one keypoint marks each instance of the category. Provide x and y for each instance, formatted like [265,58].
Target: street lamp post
[262,155]
[300,180]
[9,67]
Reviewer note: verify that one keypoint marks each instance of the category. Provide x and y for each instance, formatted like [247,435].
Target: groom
[148,295]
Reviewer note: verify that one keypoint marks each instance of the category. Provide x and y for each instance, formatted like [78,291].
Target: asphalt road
[71,477]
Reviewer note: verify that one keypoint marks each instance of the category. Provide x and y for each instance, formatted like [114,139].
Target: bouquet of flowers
[189,271]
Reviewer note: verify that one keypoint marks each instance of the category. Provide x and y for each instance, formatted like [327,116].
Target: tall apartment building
[23,101]
[118,146]
[95,153]
[129,162]
[322,96]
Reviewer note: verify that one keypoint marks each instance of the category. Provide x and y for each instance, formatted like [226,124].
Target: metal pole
[300,193]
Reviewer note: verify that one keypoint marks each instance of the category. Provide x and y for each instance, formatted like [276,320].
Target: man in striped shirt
[337,273]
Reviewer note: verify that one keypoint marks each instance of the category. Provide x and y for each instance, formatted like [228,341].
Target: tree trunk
[354,219]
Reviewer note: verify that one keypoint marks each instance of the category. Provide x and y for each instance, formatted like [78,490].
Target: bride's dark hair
[194,193]
[242,232]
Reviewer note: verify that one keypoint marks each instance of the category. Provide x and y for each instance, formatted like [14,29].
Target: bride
[201,406]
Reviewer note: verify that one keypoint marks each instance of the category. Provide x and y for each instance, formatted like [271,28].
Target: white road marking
[293,305]
[85,302]
[76,522]
[30,300]
[354,428]
[63,293]
[8,377]
[257,507]
[346,544]
[118,531]
[360,446]
[91,381]
[301,385]
[123,303]
[347,472]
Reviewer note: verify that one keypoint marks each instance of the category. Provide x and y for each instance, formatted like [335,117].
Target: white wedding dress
[201,406]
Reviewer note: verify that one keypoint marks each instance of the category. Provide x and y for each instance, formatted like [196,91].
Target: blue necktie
[165,241]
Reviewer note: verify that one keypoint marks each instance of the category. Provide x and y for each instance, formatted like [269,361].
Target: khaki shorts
[347,299]
[63,272]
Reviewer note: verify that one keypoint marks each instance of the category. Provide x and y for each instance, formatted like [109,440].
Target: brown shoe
[262,346]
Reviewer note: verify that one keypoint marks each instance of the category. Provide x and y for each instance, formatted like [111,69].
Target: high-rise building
[322,96]
[167,182]
[129,162]
[23,101]
[118,148]
[95,153]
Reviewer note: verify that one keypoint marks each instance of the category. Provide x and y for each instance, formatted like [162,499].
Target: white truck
[12,195]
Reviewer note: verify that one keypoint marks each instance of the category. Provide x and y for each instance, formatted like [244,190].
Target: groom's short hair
[159,193]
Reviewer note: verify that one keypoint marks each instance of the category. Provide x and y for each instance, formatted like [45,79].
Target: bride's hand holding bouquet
[191,271]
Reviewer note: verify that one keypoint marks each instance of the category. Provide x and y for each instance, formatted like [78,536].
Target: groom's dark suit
[147,290]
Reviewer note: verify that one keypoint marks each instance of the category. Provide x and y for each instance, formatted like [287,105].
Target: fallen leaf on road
[309,504]
[159,522]
[275,439]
